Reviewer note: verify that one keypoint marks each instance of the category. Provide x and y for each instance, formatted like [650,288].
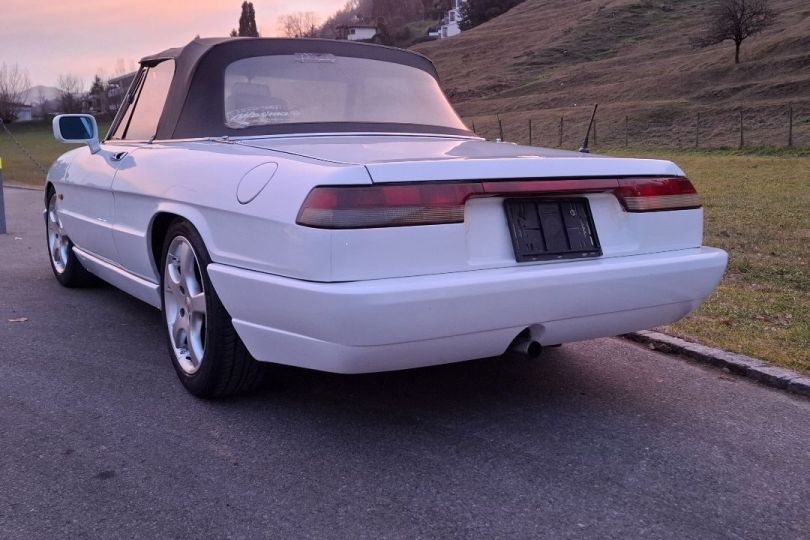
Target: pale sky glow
[85,36]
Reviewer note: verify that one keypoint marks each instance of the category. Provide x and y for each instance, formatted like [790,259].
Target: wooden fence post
[626,131]
[530,131]
[742,131]
[500,126]
[561,131]
[473,127]
[790,127]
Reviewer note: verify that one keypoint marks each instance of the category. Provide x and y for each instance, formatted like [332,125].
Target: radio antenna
[584,148]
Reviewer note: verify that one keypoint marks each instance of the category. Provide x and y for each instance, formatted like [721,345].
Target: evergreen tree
[247,21]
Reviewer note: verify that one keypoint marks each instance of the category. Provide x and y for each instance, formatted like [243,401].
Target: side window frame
[123,122]
[127,106]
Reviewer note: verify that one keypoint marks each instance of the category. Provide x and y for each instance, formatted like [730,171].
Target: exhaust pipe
[527,347]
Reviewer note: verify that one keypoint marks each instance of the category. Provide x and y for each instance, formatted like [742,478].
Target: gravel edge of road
[739,364]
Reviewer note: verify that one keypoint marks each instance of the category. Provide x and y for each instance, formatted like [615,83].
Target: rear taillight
[355,207]
[349,207]
[652,194]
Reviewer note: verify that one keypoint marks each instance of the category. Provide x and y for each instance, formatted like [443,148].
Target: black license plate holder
[552,228]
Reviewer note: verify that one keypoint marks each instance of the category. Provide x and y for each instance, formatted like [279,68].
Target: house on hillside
[357,31]
[450,22]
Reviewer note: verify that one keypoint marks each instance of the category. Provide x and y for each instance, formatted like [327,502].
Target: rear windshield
[323,88]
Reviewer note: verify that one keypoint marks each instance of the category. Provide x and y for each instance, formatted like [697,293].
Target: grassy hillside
[550,58]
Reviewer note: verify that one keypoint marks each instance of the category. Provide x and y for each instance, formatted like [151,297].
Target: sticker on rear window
[315,58]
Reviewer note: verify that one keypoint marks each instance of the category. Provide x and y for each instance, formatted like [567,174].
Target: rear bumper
[400,323]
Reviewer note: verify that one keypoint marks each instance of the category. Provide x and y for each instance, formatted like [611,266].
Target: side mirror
[77,129]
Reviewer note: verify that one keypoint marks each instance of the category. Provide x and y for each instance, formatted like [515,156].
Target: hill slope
[548,58]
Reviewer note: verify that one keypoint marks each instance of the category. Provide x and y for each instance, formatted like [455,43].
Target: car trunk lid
[431,159]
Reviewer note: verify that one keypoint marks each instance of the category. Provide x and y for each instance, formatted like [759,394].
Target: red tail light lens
[652,194]
[349,207]
[356,207]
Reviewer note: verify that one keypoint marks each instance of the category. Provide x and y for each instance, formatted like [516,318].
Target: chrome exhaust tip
[526,346]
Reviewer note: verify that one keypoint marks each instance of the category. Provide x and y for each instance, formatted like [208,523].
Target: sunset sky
[85,36]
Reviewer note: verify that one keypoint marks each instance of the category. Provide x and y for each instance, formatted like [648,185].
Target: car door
[135,132]
[86,204]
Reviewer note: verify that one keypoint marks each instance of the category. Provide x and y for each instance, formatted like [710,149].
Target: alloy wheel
[58,244]
[184,304]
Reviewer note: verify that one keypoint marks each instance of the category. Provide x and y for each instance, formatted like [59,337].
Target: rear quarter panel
[198,181]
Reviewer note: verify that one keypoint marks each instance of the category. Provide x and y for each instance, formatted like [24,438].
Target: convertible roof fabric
[194,106]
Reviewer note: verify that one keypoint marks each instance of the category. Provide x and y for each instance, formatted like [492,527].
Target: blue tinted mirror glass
[77,128]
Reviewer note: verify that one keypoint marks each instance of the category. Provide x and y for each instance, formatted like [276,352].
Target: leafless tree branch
[14,82]
[298,25]
[737,20]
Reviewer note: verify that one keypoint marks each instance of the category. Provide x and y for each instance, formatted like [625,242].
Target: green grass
[756,205]
[756,208]
[37,138]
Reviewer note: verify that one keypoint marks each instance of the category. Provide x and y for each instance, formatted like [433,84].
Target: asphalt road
[596,439]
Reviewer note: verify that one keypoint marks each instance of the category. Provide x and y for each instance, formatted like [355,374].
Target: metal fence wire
[23,149]
[783,126]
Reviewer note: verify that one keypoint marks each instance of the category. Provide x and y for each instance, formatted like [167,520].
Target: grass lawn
[756,207]
[37,138]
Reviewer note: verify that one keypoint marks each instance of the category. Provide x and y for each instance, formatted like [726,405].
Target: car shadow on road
[569,381]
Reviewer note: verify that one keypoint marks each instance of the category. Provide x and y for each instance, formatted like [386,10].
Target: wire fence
[22,148]
[786,126]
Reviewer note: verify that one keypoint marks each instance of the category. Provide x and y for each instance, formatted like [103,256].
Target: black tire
[67,270]
[226,367]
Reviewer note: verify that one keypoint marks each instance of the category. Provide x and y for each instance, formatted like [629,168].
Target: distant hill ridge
[636,58]
[39,93]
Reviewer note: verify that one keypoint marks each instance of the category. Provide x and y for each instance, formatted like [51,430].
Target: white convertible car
[320,204]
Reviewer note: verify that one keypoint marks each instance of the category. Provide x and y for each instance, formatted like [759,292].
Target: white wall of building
[450,27]
[358,34]
[24,114]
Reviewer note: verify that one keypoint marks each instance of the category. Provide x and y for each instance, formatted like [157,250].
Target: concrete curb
[20,186]
[739,364]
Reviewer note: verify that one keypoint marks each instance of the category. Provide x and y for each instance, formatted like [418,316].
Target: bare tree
[71,88]
[299,25]
[737,20]
[13,85]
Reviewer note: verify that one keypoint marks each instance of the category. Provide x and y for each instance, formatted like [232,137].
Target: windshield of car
[324,88]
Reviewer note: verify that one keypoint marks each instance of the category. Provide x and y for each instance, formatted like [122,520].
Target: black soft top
[194,106]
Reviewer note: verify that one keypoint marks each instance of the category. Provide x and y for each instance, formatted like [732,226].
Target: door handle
[119,156]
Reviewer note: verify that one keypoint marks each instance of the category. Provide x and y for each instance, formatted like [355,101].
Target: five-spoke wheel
[58,244]
[184,301]
[207,354]
[66,267]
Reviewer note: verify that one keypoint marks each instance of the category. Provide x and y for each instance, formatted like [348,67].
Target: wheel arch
[159,226]
[49,187]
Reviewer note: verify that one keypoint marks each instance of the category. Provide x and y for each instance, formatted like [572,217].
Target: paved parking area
[596,439]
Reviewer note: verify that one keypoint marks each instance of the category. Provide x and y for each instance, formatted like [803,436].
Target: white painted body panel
[390,298]
[400,323]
